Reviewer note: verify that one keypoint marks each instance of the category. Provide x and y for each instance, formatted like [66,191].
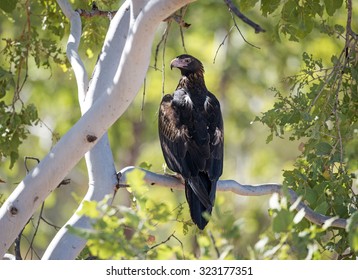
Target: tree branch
[99,160]
[241,16]
[95,12]
[154,179]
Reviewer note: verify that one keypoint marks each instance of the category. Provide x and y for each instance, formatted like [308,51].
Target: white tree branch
[99,160]
[82,137]
[72,48]
[154,179]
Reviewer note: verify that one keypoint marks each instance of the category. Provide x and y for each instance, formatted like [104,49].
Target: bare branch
[242,36]
[182,14]
[31,249]
[154,179]
[222,43]
[166,240]
[95,12]
[214,244]
[17,246]
[178,17]
[349,21]
[241,16]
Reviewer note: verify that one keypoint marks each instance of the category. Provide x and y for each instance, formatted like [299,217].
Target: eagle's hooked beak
[177,63]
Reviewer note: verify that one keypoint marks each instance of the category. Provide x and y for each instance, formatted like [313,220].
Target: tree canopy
[289,100]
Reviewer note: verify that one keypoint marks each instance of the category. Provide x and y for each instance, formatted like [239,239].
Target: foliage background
[38,94]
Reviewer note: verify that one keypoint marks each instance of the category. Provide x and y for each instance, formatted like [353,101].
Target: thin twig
[214,243]
[32,252]
[35,233]
[178,18]
[163,39]
[50,224]
[242,36]
[25,162]
[349,21]
[241,16]
[17,245]
[222,43]
[166,240]
[118,186]
[182,14]
[181,244]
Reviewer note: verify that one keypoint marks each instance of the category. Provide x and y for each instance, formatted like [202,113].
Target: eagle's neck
[193,82]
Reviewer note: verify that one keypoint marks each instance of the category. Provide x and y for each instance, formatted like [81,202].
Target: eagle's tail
[200,194]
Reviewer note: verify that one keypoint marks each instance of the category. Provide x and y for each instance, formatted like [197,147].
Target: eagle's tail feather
[198,207]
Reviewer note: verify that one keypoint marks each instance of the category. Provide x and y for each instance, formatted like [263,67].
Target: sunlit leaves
[121,232]
[13,129]
[282,221]
[320,110]
[291,236]
[298,18]
[31,44]
[6,81]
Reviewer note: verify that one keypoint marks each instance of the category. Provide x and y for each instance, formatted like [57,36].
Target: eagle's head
[187,65]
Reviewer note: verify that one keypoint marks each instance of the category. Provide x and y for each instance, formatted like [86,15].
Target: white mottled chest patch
[188,101]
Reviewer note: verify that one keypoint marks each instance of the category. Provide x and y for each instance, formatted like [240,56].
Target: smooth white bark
[82,137]
[99,160]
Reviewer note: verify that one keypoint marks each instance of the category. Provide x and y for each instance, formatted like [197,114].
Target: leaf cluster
[293,237]
[13,129]
[149,229]
[29,45]
[121,232]
[320,113]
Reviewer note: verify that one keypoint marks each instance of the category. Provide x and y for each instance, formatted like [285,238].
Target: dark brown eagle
[192,136]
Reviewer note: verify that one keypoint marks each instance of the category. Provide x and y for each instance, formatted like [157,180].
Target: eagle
[191,134]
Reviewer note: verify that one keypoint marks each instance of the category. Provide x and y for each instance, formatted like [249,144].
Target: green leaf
[322,208]
[289,11]
[269,138]
[352,228]
[305,24]
[269,6]
[145,165]
[282,221]
[310,195]
[247,4]
[135,179]
[14,155]
[6,81]
[339,29]
[332,6]
[323,148]
[8,5]
[316,8]
[89,209]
